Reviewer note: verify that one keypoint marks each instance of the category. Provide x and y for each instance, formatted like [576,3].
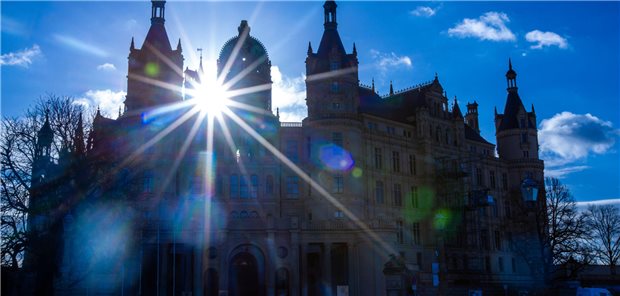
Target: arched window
[254,188]
[234,214]
[243,214]
[243,188]
[234,186]
[379,192]
[269,185]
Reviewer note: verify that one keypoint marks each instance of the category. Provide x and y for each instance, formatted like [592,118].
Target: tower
[516,132]
[155,71]
[331,73]
[472,116]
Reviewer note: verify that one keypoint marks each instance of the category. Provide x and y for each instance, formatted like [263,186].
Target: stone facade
[377,195]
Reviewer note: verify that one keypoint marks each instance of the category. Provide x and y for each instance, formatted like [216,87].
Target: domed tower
[331,73]
[155,74]
[244,64]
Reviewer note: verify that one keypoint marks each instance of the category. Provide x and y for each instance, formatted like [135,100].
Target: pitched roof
[396,107]
[514,106]
[471,134]
[157,38]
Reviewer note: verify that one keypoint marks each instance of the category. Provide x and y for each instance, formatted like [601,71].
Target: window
[338,184]
[378,158]
[523,138]
[254,188]
[504,181]
[492,179]
[484,240]
[495,210]
[338,214]
[335,65]
[391,130]
[487,263]
[398,198]
[379,192]
[337,140]
[509,240]
[269,185]
[507,209]
[522,122]
[415,201]
[498,240]
[418,256]
[336,106]
[479,177]
[415,232]
[412,166]
[399,231]
[396,161]
[526,154]
[514,265]
[147,182]
[243,187]
[234,186]
[292,185]
[500,264]
[309,147]
[335,86]
[291,150]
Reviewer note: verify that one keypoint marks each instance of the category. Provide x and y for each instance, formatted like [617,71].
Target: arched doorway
[244,278]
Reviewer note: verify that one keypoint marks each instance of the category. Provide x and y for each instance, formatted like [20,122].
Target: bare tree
[18,138]
[604,227]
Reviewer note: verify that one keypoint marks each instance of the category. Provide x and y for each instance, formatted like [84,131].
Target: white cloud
[561,172]
[489,26]
[543,39]
[424,11]
[566,138]
[80,45]
[384,61]
[106,67]
[21,58]
[107,100]
[583,205]
[288,94]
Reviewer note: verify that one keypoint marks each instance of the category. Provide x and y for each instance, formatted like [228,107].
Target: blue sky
[565,54]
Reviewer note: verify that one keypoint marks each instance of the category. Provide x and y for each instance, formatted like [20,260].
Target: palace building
[368,195]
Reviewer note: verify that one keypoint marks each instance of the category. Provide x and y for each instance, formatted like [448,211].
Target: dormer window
[335,86]
[335,65]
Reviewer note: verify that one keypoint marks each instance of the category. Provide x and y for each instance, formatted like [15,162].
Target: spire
[45,136]
[330,14]
[511,77]
[132,47]
[278,112]
[78,140]
[456,110]
[179,45]
[200,68]
[354,49]
[533,111]
[391,89]
[309,48]
[373,84]
[243,28]
[158,12]
[120,113]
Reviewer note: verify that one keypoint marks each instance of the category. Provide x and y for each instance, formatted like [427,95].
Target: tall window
[378,158]
[415,200]
[254,186]
[479,176]
[415,233]
[504,181]
[514,265]
[399,231]
[492,179]
[291,150]
[234,186]
[498,240]
[338,184]
[147,182]
[398,198]
[396,161]
[243,187]
[292,186]
[379,192]
[412,168]
[500,264]
[269,185]
[335,86]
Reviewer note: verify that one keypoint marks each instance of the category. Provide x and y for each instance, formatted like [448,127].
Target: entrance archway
[246,272]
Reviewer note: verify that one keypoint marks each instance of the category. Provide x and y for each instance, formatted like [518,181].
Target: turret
[331,73]
[471,118]
[155,72]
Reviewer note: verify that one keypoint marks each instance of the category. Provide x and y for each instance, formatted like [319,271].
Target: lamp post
[529,191]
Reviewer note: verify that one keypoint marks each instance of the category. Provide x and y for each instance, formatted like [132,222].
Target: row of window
[411,161]
[492,183]
[396,195]
[415,233]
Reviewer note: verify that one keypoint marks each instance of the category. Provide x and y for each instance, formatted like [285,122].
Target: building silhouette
[376,195]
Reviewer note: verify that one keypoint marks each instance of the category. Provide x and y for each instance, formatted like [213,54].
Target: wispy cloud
[567,138]
[489,26]
[106,67]
[12,26]
[386,61]
[21,58]
[288,94]
[107,100]
[424,11]
[583,205]
[561,172]
[543,39]
[80,45]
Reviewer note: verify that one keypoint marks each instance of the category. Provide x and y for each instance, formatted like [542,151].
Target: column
[327,268]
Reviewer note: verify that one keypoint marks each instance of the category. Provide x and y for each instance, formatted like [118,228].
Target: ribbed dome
[251,53]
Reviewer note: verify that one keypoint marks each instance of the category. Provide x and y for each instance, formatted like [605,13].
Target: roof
[514,106]
[398,106]
[472,135]
[157,38]
[330,39]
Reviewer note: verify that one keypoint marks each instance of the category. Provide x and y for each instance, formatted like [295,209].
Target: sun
[208,94]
